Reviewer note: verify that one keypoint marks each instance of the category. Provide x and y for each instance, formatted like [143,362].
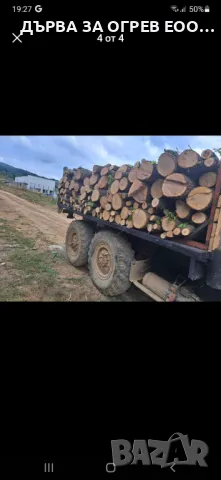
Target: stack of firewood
[171,197]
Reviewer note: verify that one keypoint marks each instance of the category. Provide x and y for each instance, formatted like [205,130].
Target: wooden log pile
[171,198]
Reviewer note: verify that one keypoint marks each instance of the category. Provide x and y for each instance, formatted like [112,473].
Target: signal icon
[183,9]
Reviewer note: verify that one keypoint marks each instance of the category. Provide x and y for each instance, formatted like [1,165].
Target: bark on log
[115,187]
[216,215]
[103,182]
[182,210]
[94,178]
[132,176]
[124,184]
[140,218]
[167,163]
[187,230]
[97,168]
[177,185]
[81,173]
[200,198]
[199,218]
[188,159]
[208,179]
[156,188]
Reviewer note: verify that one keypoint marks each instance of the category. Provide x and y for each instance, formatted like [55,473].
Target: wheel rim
[104,261]
[74,244]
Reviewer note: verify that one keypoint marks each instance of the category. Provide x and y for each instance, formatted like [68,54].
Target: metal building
[38,184]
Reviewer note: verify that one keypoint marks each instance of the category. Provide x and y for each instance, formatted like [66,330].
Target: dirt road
[51,224]
[29,270]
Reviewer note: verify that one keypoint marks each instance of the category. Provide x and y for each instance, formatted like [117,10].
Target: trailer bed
[189,248]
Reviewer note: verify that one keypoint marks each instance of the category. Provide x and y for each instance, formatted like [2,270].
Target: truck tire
[109,260]
[78,239]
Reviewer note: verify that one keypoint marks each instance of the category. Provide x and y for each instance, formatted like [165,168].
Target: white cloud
[153,152]
[22,140]
[115,140]
[99,150]
[72,140]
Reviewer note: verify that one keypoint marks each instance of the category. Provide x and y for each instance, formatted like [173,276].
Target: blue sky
[47,155]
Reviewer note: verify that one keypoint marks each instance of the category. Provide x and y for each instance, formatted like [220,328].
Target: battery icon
[207,8]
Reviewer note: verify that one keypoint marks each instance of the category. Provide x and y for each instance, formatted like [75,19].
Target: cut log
[94,178]
[124,184]
[138,191]
[112,213]
[105,169]
[168,225]
[103,201]
[200,198]
[106,215]
[81,173]
[98,209]
[155,218]
[199,218]
[158,204]
[88,189]
[109,197]
[108,207]
[150,210]
[115,187]
[129,203]
[103,182]
[219,202]
[167,163]
[101,215]
[118,219]
[149,227]
[97,168]
[146,171]
[187,230]
[86,181]
[117,202]
[208,154]
[132,176]
[71,186]
[182,210]
[124,168]
[130,224]
[208,179]
[211,162]
[140,218]
[95,196]
[118,175]
[177,185]
[136,205]
[216,215]
[124,195]
[96,186]
[67,185]
[188,159]
[144,205]
[123,222]
[111,219]
[82,189]
[125,212]
[94,213]
[163,235]
[170,234]
[76,186]
[83,196]
[157,227]
[177,231]
[217,237]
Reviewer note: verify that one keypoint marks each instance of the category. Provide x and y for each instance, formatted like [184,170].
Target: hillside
[12,172]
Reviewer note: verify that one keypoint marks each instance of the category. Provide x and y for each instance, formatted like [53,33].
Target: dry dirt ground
[29,269]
